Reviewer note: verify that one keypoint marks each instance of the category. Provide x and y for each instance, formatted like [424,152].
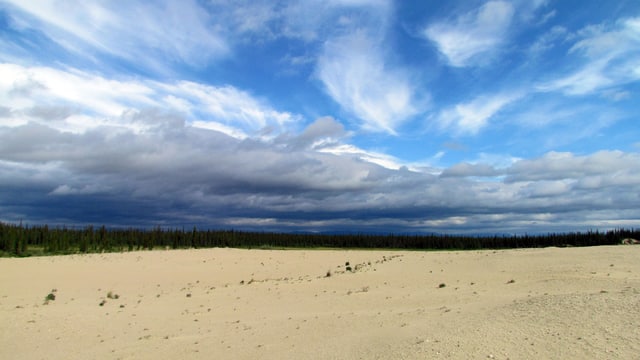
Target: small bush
[328,273]
[442,285]
[50,297]
[349,268]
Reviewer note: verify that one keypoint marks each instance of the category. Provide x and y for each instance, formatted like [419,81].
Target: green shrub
[51,296]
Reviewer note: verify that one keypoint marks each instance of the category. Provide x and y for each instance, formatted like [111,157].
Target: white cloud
[611,55]
[470,118]
[355,74]
[373,157]
[75,101]
[314,20]
[152,33]
[472,37]
[222,128]
[548,16]
[586,80]
[226,104]
[25,87]
[308,21]
[547,40]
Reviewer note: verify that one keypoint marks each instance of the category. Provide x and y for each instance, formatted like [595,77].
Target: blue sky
[420,116]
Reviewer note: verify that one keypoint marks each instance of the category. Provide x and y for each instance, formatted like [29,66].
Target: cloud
[472,37]
[610,59]
[470,118]
[177,174]
[309,21]
[564,165]
[161,38]
[155,34]
[79,146]
[467,169]
[323,132]
[381,159]
[226,104]
[355,74]
[547,40]
[77,101]
[317,20]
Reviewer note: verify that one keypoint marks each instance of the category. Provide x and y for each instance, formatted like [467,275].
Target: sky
[477,117]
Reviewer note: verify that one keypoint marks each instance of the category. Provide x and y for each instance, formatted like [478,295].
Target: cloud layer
[132,163]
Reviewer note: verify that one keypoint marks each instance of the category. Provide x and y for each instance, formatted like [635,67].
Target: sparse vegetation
[50,297]
[442,285]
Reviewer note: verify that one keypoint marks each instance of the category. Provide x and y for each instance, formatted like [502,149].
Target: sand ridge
[278,304]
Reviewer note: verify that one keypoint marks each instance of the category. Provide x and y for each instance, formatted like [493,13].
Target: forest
[23,240]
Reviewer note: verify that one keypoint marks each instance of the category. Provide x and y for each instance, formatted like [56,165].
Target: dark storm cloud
[162,171]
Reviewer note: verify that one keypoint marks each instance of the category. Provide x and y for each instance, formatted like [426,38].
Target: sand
[552,303]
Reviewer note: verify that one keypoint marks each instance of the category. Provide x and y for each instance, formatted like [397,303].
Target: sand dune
[263,304]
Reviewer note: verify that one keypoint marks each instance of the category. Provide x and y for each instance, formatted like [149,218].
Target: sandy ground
[548,303]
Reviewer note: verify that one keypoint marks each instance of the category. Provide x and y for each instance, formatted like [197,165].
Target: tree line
[23,240]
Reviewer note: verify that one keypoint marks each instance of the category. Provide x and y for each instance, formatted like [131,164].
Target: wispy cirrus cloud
[472,37]
[547,41]
[609,54]
[356,75]
[150,33]
[471,117]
